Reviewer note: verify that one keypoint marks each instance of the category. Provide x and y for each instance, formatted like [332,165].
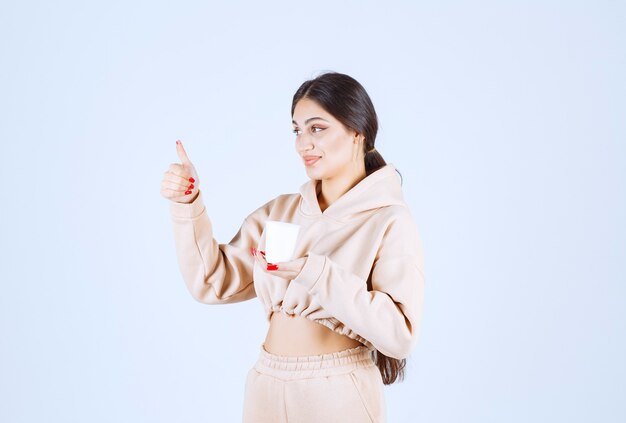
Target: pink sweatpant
[344,386]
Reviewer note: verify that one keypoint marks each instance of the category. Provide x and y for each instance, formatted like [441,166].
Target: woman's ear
[357,140]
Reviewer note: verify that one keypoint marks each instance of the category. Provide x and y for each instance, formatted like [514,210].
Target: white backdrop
[506,121]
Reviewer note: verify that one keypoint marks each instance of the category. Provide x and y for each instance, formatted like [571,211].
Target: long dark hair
[345,98]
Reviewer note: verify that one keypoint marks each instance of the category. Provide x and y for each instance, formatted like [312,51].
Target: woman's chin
[310,170]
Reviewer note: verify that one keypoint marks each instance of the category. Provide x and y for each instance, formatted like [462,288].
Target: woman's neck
[329,190]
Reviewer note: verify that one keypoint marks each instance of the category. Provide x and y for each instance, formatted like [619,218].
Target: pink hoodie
[363,276]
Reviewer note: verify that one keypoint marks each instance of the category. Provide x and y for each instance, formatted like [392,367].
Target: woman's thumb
[182,154]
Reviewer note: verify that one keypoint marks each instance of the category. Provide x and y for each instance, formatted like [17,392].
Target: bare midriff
[294,335]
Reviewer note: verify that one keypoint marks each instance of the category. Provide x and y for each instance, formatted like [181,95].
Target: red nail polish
[192,180]
[272,267]
[190,186]
[187,192]
[262,252]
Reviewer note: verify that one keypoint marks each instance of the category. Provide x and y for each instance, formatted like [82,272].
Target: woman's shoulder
[395,213]
[399,225]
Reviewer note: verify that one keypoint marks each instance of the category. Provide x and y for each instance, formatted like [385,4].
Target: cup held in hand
[280,240]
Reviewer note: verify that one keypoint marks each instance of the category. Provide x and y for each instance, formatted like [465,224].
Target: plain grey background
[506,120]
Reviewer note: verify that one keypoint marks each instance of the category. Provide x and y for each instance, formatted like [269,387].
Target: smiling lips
[309,160]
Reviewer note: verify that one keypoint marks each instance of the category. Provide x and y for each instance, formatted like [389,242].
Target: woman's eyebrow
[309,120]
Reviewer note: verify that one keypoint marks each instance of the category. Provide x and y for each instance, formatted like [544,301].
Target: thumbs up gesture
[181,182]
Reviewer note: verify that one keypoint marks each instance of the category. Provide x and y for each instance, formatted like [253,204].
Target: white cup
[280,240]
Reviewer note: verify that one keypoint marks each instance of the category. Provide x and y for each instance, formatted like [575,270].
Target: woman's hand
[286,270]
[181,182]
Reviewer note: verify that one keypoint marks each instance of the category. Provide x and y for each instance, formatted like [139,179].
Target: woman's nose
[303,144]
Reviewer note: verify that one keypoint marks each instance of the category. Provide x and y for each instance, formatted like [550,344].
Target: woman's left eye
[317,127]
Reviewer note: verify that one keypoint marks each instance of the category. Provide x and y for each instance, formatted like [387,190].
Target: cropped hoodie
[363,276]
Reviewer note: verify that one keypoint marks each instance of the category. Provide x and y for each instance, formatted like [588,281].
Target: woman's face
[319,134]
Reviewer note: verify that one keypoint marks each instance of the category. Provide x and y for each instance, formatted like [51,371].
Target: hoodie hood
[379,189]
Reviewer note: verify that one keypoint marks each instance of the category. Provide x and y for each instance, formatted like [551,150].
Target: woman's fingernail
[190,186]
[187,192]
[272,267]
[192,180]
[253,251]
[177,141]
[262,252]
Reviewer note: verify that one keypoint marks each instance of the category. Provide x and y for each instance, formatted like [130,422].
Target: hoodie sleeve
[389,316]
[215,273]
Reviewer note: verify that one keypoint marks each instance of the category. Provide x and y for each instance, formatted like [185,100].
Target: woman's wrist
[190,201]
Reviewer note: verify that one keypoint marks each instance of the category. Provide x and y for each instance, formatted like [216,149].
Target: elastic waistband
[307,366]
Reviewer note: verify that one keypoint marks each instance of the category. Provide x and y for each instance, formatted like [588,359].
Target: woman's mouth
[311,160]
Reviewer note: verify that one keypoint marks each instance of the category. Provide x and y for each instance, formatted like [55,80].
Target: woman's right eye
[295,131]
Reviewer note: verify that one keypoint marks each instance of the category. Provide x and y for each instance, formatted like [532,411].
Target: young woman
[345,314]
